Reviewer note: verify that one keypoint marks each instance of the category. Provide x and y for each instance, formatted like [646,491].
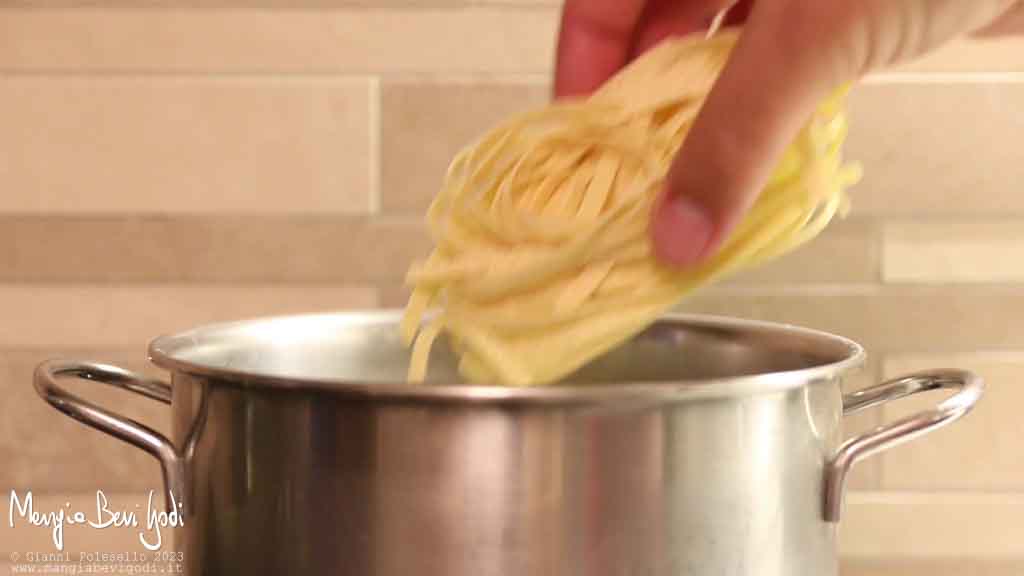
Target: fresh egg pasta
[542,259]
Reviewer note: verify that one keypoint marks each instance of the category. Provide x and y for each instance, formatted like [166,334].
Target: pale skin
[792,53]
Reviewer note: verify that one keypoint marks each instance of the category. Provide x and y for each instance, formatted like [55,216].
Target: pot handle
[139,435]
[969,388]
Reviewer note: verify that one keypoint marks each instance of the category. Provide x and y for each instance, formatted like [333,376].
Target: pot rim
[164,351]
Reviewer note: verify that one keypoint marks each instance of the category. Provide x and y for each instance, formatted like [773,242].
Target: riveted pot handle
[139,435]
[969,389]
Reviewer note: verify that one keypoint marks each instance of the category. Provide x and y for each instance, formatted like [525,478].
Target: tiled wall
[190,161]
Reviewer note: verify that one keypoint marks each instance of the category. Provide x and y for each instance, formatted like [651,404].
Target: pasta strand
[542,258]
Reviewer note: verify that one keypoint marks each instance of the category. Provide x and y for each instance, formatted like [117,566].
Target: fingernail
[682,231]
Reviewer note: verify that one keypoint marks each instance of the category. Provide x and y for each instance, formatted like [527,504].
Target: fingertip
[682,231]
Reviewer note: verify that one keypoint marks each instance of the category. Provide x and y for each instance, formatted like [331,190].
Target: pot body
[298,482]
[702,447]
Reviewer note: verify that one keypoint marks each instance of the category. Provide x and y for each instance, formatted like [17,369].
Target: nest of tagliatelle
[542,259]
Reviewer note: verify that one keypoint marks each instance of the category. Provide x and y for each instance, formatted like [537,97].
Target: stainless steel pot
[705,446]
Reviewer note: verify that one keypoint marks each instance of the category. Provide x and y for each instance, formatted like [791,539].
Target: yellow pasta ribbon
[542,258]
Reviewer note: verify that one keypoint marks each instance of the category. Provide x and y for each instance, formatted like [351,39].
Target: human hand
[791,55]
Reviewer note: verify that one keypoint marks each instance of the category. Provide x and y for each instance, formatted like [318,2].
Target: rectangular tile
[112,144]
[938,251]
[971,55]
[943,526]
[979,453]
[392,295]
[845,252]
[55,36]
[46,451]
[213,248]
[896,318]
[955,567]
[362,41]
[910,160]
[937,148]
[96,316]
[520,2]
[425,125]
[894,135]
[231,4]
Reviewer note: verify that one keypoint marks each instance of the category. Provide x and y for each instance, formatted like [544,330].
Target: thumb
[771,85]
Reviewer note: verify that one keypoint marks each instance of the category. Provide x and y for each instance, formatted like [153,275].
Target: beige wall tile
[941,251]
[97,316]
[520,2]
[77,144]
[845,252]
[218,248]
[360,41]
[956,567]
[393,295]
[501,40]
[910,161]
[982,451]
[235,4]
[942,526]
[937,148]
[999,55]
[925,318]
[44,450]
[425,125]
